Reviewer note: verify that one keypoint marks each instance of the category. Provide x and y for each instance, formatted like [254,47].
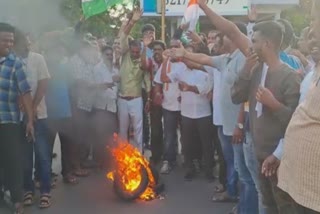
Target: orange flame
[128,162]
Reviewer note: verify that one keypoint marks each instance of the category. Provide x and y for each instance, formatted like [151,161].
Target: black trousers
[217,148]
[156,133]
[105,124]
[11,159]
[70,149]
[83,122]
[146,121]
[190,143]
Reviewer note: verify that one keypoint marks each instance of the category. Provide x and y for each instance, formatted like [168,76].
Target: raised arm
[163,76]
[125,31]
[145,61]
[136,16]
[226,27]
[197,58]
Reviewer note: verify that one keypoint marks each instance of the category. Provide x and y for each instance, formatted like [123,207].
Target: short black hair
[148,27]
[289,34]
[270,30]
[5,27]
[158,42]
[105,48]
[135,43]
[242,27]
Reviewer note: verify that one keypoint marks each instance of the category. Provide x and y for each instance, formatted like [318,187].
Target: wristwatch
[240,126]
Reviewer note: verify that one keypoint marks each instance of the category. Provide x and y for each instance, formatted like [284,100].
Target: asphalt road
[94,195]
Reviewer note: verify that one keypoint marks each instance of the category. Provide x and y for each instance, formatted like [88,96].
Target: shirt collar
[10,56]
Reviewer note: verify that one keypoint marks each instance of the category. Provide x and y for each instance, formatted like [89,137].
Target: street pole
[163,20]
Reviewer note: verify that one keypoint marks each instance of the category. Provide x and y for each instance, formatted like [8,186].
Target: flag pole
[163,20]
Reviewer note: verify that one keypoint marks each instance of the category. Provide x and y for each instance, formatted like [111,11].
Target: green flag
[94,7]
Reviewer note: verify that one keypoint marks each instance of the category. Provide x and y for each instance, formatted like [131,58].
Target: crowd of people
[244,98]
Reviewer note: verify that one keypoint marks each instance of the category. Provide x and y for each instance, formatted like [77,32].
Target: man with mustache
[157,96]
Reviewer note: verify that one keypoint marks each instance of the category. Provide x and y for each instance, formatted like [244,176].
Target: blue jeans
[252,165]
[42,150]
[227,150]
[248,203]
[171,120]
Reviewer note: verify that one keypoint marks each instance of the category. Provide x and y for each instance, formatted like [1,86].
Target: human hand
[147,40]
[194,37]
[238,136]
[137,14]
[270,166]
[157,99]
[185,26]
[30,131]
[251,61]
[265,97]
[183,86]
[202,3]
[177,52]
[253,14]
[166,54]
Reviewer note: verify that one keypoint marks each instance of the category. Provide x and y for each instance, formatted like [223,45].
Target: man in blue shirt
[60,113]
[288,36]
[13,83]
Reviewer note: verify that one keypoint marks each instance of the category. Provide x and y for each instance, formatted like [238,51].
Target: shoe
[165,169]
[190,174]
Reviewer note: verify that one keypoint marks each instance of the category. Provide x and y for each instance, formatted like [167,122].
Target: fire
[128,163]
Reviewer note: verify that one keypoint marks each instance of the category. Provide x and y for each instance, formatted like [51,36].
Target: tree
[106,24]
[299,16]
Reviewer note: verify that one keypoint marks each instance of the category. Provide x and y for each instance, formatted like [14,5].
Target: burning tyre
[133,177]
[123,193]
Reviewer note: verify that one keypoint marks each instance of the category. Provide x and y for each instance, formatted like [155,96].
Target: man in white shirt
[37,76]
[196,115]
[105,106]
[171,112]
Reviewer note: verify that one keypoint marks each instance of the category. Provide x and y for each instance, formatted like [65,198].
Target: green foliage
[106,24]
[299,16]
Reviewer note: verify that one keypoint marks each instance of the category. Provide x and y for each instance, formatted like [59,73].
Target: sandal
[219,188]
[28,199]
[18,208]
[224,198]
[81,173]
[70,179]
[44,201]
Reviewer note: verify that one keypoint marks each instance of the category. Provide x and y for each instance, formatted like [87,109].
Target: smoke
[33,16]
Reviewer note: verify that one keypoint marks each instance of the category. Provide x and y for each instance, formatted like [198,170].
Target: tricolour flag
[192,14]
[95,7]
